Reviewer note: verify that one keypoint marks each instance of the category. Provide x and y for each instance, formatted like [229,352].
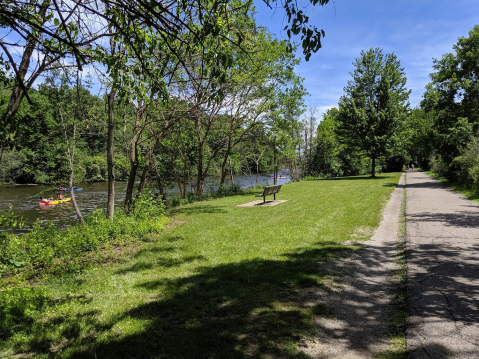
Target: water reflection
[25,199]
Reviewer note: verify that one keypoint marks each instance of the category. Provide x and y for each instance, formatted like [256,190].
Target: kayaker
[61,188]
[60,196]
[44,200]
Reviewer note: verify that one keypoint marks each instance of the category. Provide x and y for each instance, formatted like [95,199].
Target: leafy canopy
[374,103]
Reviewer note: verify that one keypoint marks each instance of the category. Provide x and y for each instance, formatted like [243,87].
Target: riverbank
[221,281]
[24,199]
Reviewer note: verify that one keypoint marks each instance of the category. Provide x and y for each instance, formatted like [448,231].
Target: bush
[122,167]
[466,166]
[11,255]
[46,248]
[13,167]
[95,169]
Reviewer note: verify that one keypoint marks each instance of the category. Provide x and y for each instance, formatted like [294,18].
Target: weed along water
[25,199]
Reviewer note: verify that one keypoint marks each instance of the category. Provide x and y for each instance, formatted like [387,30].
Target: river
[25,200]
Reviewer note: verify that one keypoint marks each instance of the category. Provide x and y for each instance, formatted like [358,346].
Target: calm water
[25,199]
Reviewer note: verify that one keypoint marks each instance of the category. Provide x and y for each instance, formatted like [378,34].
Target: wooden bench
[268,191]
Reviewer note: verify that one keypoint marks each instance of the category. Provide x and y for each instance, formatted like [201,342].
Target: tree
[417,137]
[76,30]
[326,161]
[284,127]
[374,103]
[67,110]
[452,98]
[115,32]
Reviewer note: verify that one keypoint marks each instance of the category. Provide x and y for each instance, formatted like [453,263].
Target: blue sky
[415,30]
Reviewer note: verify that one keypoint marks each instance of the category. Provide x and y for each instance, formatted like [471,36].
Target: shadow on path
[443,271]
[460,219]
[352,322]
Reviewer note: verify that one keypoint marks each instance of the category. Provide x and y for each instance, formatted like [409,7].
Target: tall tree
[326,161]
[452,97]
[374,103]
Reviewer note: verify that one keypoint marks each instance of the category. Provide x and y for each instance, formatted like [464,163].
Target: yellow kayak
[57,201]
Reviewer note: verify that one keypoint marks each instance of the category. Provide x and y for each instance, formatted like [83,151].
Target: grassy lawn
[221,282]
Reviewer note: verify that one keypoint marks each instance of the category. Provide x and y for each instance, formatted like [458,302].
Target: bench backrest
[269,190]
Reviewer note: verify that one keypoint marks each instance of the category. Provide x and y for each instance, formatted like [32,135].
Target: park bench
[268,191]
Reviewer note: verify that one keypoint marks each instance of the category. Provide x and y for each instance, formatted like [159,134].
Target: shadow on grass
[160,262]
[195,209]
[251,309]
[237,310]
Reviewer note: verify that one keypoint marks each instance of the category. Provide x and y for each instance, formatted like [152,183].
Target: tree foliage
[374,104]
[452,98]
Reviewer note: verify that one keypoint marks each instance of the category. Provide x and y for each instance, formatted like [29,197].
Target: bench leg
[274,196]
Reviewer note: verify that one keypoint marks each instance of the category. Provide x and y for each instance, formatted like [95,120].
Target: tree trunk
[223,164]
[257,172]
[159,181]
[231,174]
[148,157]
[223,171]
[19,91]
[110,207]
[133,159]
[71,156]
[275,169]
[1,155]
[373,166]
[200,179]
[75,204]
[131,182]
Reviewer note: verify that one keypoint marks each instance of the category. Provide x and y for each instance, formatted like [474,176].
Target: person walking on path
[442,239]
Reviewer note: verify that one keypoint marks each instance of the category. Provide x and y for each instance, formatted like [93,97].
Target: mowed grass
[221,282]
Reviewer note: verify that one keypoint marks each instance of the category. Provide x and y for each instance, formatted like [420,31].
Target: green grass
[221,282]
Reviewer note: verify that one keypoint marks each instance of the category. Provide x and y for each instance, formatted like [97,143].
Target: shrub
[47,248]
[466,166]
[11,255]
[95,168]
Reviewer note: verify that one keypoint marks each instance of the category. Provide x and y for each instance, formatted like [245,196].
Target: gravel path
[442,235]
[357,326]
